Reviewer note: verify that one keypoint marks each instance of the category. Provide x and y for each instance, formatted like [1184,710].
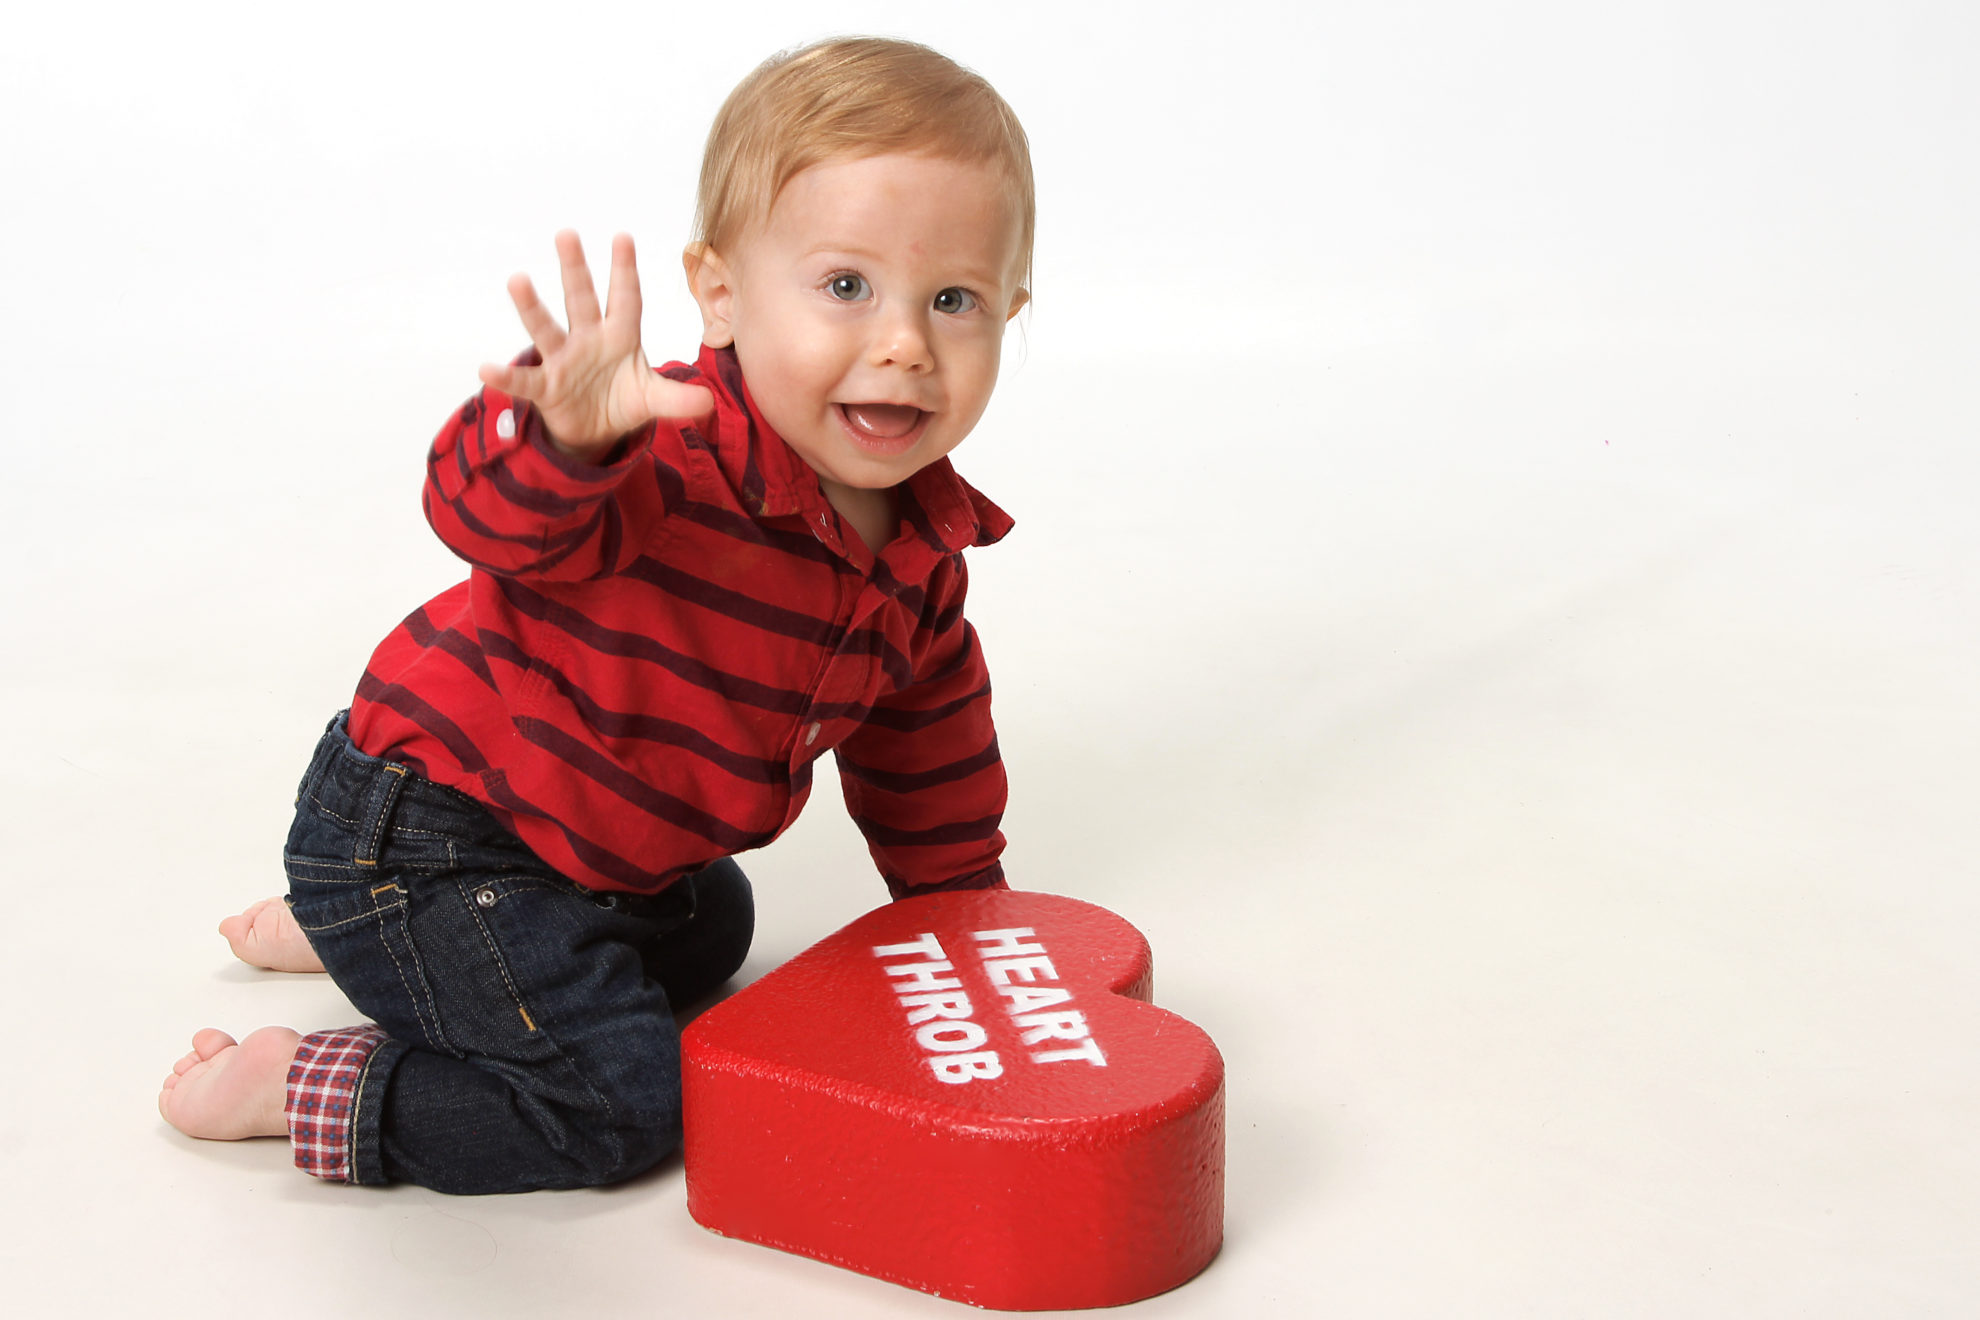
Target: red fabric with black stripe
[649,654]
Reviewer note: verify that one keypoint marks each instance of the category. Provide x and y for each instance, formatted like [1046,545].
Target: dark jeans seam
[358,1113]
[341,819]
[543,1030]
[501,963]
[377,914]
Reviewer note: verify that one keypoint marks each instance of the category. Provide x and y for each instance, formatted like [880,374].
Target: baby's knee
[637,1132]
[725,909]
[643,1146]
[709,948]
[636,1121]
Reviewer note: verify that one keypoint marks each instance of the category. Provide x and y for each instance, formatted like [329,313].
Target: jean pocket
[331,897]
[361,927]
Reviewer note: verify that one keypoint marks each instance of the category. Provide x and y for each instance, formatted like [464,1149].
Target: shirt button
[811,735]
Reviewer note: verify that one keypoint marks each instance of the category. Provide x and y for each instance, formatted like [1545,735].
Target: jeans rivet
[485,897]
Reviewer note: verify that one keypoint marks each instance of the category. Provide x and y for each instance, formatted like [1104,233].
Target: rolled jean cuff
[321,1101]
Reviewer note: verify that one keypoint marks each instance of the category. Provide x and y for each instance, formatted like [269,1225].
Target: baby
[513,852]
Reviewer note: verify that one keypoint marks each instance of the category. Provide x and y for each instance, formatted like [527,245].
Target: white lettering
[924,944]
[968,1067]
[949,1037]
[1005,943]
[1090,1051]
[938,1008]
[1029,998]
[921,976]
[1053,1026]
[1007,959]
[1004,970]
[924,1007]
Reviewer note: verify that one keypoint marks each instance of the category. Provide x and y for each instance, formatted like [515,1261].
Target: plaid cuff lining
[322,1095]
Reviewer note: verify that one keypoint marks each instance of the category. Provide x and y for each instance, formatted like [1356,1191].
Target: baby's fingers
[580,298]
[515,381]
[543,329]
[622,302]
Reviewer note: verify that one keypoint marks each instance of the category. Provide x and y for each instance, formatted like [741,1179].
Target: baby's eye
[848,287]
[954,301]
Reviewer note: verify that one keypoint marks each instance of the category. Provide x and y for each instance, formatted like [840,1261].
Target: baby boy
[513,852]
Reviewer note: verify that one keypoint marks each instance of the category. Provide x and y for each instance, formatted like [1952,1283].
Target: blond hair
[843,99]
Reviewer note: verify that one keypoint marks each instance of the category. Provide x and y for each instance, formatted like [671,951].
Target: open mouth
[886,428]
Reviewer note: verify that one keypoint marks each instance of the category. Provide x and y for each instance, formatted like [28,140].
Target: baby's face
[868,311]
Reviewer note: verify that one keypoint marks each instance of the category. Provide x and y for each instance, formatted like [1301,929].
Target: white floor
[1538,731]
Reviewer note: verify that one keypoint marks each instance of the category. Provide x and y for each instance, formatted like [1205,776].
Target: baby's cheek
[808,366]
[782,379]
[980,381]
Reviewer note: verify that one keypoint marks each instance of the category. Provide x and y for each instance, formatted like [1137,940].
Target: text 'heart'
[966,1093]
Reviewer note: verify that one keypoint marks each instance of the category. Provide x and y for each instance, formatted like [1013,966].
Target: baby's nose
[901,340]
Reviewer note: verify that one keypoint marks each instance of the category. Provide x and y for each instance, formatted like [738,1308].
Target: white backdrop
[1494,599]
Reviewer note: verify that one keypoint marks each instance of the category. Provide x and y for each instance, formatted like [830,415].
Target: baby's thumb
[673,398]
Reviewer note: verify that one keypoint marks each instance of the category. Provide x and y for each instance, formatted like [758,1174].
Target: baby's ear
[709,281]
[1018,300]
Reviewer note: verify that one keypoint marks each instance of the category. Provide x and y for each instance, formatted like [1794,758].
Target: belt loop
[378,804]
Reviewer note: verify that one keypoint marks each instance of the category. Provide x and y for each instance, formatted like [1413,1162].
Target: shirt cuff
[990,877]
[537,461]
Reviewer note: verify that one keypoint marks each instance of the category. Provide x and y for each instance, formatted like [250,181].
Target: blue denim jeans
[531,1043]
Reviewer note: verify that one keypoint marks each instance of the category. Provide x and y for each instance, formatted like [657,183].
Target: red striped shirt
[648,654]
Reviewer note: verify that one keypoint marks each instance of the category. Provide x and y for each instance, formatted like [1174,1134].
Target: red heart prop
[966,1093]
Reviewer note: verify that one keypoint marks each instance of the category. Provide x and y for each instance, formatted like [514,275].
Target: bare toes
[229,1090]
[209,1041]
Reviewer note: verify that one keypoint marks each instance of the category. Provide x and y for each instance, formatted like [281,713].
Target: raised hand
[594,385]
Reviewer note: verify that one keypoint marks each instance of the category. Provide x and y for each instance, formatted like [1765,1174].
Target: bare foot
[267,935]
[225,1091]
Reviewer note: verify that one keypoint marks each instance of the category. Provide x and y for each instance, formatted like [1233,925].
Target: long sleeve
[922,776]
[502,497]
[636,676]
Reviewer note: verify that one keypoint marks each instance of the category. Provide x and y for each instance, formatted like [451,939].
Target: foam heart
[966,1093]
